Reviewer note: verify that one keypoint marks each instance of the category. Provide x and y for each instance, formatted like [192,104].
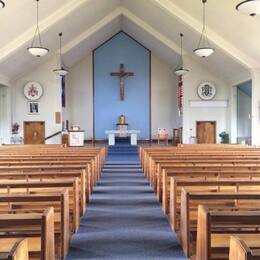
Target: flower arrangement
[15,128]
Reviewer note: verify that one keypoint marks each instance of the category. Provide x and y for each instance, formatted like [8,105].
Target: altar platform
[113,133]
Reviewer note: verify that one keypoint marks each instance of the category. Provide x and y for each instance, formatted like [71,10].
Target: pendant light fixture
[37,50]
[2,3]
[204,49]
[61,71]
[249,7]
[180,71]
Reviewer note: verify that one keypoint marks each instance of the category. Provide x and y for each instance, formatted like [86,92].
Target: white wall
[79,97]
[79,89]
[255,106]
[5,116]
[50,102]
[197,75]
[163,97]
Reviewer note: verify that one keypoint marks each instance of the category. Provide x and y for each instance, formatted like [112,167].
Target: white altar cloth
[112,133]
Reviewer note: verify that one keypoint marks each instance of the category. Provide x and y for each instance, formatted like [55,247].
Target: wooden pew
[95,156]
[32,203]
[16,250]
[215,227]
[189,210]
[144,152]
[240,251]
[202,185]
[41,245]
[57,167]
[50,186]
[209,172]
[51,174]
[156,164]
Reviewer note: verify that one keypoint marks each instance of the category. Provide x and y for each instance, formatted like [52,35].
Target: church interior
[129,129]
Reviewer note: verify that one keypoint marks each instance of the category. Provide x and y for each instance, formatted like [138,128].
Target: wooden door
[206,132]
[34,132]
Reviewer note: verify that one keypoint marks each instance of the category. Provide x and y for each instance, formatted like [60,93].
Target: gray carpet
[124,219]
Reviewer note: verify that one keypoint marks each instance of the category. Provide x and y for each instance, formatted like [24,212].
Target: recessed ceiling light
[249,7]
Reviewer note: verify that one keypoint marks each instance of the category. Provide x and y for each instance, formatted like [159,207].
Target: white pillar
[255,106]
[233,114]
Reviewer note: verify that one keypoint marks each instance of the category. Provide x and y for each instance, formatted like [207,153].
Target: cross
[122,74]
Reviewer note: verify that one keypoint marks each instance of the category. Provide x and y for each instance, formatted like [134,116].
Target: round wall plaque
[206,90]
[33,90]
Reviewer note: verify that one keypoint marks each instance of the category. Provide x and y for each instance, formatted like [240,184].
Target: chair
[162,135]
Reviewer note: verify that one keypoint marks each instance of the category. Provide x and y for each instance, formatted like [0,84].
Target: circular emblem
[206,91]
[33,90]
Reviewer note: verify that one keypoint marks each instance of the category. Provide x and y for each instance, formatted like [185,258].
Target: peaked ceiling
[155,23]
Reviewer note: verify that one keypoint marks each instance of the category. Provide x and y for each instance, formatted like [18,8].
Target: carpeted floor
[124,219]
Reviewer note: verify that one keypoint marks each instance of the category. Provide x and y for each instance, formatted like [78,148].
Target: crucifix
[122,74]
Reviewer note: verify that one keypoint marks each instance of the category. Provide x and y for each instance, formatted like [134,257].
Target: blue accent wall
[107,105]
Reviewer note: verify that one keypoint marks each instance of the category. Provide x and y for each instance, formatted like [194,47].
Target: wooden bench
[50,186]
[50,175]
[209,172]
[17,204]
[156,164]
[189,210]
[15,250]
[34,177]
[215,227]
[202,185]
[14,226]
[239,250]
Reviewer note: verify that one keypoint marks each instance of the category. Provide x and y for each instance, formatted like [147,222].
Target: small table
[112,133]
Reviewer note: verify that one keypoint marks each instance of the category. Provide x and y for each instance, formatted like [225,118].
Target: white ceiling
[155,23]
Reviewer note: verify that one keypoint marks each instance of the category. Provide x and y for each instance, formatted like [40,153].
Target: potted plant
[224,137]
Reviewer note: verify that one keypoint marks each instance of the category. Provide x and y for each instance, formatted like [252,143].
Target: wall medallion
[33,90]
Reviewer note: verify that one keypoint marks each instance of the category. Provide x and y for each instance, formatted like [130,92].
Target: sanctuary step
[124,219]
[122,140]
[125,150]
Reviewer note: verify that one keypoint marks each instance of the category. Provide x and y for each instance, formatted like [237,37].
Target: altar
[112,134]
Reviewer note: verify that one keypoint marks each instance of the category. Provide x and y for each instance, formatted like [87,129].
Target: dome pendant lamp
[180,71]
[249,7]
[204,49]
[61,71]
[37,50]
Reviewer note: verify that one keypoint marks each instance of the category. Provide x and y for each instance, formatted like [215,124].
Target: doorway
[206,132]
[34,132]
[244,107]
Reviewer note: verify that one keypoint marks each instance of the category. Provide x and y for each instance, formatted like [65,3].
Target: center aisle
[124,219]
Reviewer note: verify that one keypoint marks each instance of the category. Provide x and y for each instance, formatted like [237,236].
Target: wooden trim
[121,31]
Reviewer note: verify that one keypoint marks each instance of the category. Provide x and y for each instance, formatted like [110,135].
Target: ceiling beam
[156,34]
[92,30]
[4,80]
[45,24]
[188,20]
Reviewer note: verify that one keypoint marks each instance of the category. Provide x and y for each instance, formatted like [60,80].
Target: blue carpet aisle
[124,219]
